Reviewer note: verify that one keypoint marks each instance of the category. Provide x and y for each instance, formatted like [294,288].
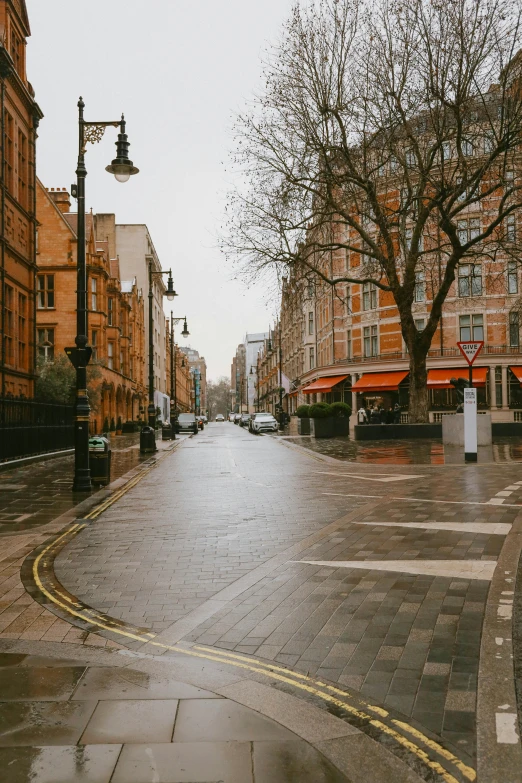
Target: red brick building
[19,115]
[115,309]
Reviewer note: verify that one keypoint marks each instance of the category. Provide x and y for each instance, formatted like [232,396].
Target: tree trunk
[419,403]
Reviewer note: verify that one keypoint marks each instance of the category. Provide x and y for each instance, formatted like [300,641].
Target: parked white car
[263,422]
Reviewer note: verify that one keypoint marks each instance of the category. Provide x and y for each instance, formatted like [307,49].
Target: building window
[369,296]
[349,354]
[8,151]
[110,305]
[46,344]
[512,276]
[9,324]
[22,322]
[22,169]
[511,230]
[370,341]
[94,345]
[45,292]
[310,323]
[420,286]
[467,148]
[468,229]
[514,329]
[311,358]
[419,324]
[470,280]
[94,293]
[122,364]
[110,355]
[471,327]
[489,145]
[446,150]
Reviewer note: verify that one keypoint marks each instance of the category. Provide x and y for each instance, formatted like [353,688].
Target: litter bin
[100,460]
[147,440]
[166,432]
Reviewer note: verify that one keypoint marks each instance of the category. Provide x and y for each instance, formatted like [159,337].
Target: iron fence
[29,427]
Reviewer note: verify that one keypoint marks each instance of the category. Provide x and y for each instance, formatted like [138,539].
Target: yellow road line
[296,679]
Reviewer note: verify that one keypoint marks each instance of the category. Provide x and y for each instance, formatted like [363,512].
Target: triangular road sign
[470,350]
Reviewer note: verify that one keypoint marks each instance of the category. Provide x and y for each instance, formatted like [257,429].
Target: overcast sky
[179,69]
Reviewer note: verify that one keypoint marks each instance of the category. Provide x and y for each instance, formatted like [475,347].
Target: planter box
[322,428]
[341,427]
[397,431]
[303,426]
[293,426]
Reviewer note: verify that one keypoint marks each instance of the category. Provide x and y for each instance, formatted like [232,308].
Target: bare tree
[387,130]
[218,397]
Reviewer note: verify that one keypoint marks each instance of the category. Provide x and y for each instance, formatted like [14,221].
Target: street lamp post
[151,410]
[281,417]
[173,377]
[122,168]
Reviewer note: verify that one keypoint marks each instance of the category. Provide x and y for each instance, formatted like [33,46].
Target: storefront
[382,389]
[443,395]
[333,388]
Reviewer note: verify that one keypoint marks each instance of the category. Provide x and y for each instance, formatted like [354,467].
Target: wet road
[375,578]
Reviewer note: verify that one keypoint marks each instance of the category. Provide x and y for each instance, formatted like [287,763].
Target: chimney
[61,198]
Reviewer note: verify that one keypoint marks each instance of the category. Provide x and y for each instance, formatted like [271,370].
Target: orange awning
[324,384]
[380,381]
[518,372]
[440,379]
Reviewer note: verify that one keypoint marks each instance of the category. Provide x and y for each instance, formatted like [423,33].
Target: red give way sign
[471,350]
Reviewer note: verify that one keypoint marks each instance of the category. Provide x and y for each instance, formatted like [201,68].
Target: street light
[122,168]
[147,439]
[173,378]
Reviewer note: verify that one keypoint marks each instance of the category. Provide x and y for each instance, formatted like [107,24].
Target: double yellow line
[401,732]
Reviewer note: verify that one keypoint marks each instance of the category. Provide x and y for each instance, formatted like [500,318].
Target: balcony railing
[434,353]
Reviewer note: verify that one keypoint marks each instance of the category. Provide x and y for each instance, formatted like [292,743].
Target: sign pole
[470,351]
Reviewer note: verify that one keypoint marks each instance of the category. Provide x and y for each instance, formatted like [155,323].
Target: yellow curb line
[260,668]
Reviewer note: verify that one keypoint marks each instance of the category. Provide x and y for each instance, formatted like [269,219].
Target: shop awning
[518,372]
[380,381]
[325,384]
[440,379]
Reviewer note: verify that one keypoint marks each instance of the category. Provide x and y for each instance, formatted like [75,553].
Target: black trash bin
[100,460]
[147,440]
[166,432]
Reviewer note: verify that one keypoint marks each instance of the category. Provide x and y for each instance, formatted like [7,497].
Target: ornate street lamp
[147,438]
[122,168]
[173,378]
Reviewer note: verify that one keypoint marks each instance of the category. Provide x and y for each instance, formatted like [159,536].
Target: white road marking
[490,528]
[466,569]
[495,502]
[503,494]
[428,500]
[506,727]
[386,477]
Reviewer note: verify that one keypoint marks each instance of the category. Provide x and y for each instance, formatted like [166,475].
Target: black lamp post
[173,379]
[122,168]
[281,417]
[145,446]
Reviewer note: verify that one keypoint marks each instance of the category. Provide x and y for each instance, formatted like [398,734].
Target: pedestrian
[382,414]
[396,413]
[362,417]
[368,413]
[375,417]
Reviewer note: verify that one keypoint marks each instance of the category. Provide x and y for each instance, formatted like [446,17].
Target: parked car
[231,416]
[237,416]
[187,423]
[204,418]
[263,422]
[244,419]
[201,423]
[220,417]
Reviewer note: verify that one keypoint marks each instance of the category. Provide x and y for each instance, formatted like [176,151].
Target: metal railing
[29,427]
[433,353]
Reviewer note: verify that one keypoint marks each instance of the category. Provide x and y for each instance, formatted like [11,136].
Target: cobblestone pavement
[257,553]
[373,579]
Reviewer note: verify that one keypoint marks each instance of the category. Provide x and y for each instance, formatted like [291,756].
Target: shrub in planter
[106,426]
[113,425]
[118,425]
[320,410]
[340,410]
[302,411]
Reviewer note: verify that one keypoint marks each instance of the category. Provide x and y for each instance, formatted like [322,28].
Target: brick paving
[228,502]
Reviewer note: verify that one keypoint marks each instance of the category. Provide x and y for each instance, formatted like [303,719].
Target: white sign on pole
[470,350]
[470,425]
